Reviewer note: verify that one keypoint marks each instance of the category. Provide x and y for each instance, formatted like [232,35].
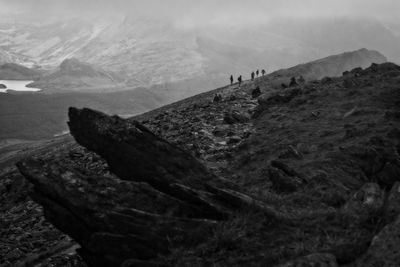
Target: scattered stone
[235,117]
[3,86]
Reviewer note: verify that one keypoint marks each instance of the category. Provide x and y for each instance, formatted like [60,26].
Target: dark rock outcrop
[134,153]
[3,86]
[384,248]
[392,207]
[161,193]
[256,92]
[365,203]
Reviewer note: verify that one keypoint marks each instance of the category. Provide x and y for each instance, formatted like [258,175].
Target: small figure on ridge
[240,80]
[263,72]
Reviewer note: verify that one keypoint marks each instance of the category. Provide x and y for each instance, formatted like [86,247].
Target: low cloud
[197,13]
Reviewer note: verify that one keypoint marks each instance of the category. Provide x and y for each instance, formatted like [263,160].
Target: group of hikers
[239,80]
[253,74]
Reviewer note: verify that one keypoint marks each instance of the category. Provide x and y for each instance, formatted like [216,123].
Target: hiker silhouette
[252,76]
[231,79]
[263,72]
[257,72]
[240,80]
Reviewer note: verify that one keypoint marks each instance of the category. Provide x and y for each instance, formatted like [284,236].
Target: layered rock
[161,193]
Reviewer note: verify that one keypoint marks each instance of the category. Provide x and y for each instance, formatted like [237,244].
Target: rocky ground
[299,176]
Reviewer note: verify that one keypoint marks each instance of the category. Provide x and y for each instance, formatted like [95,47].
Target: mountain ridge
[288,167]
[74,75]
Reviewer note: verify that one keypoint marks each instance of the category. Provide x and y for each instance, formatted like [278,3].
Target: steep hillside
[12,71]
[303,176]
[73,75]
[33,116]
[333,65]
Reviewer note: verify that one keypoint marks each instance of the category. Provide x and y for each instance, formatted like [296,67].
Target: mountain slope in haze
[73,75]
[306,176]
[155,51]
[41,116]
[12,71]
[333,66]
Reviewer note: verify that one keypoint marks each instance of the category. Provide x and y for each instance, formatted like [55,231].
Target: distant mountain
[333,65]
[12,71]
[73,75]
[148,52]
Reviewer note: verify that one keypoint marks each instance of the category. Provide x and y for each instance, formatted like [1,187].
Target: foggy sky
[203,12]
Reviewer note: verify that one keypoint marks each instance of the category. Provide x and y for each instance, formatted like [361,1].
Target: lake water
[17,86]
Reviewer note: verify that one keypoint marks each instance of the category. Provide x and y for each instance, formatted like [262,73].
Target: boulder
[281,182]
[312,260]
[384,249]
[356,70]
[390,173]
[392,207]
[131,150]
[217,98]
[293,82]
[365,203]
[256,92]
[3,86]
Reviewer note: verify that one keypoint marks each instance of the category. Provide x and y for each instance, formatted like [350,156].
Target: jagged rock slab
[134,153]
[113,220]
[161,194]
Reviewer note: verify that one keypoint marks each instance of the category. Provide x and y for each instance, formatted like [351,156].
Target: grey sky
[189,12]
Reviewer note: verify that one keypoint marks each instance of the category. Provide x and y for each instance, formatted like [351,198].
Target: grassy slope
[325,125]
